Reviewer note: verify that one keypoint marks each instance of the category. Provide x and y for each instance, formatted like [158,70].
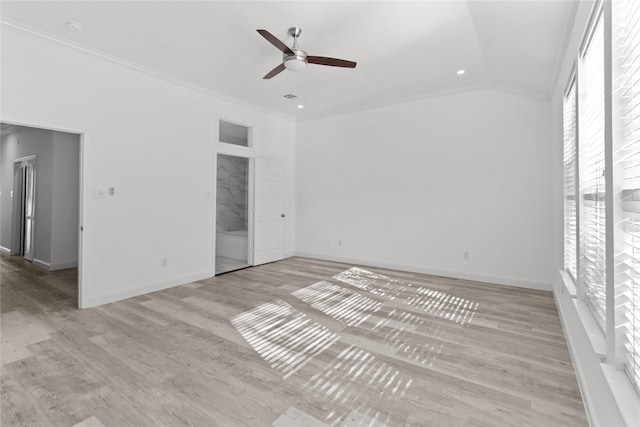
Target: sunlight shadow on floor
[352,379]
[342,304]
[285,337]
[436,303]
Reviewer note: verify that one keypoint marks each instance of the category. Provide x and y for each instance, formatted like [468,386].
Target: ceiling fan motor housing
[297,61]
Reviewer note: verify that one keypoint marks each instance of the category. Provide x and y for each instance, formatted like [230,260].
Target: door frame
[250,204]
[17,164]
[82,274]
[235,151]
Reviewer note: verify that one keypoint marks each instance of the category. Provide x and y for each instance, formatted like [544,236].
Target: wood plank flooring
[299,342]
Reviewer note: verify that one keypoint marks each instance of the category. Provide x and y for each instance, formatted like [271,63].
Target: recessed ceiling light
[300,106]
[460,72]
[74,26]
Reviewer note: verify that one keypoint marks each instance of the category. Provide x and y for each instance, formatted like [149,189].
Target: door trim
[25,158]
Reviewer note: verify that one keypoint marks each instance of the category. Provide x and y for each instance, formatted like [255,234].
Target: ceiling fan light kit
[295,59]
[296,62]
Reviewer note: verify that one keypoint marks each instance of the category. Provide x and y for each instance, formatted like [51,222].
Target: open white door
[269,217]
[23,207]
[29,209]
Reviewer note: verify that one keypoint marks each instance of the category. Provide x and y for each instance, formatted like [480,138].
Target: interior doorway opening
[23,207]
[40,200]
[232,213]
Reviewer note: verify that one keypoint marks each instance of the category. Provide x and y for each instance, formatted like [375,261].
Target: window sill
[624,394]
[593,331]
[591,328]
[569,284]
[620,388]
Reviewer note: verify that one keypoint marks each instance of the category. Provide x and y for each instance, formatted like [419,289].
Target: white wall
[416,185]
[65,183]
[150,139]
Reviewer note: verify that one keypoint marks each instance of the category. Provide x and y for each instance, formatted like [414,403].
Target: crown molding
[140,68]
[395,102]
[537,96]
[526,93]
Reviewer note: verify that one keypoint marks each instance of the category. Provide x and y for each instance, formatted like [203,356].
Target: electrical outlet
[163,262]
[465,256]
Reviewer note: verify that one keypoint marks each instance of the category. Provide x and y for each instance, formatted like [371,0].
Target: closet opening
[232,213]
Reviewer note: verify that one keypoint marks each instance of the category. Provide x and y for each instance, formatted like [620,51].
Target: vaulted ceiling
[404,50]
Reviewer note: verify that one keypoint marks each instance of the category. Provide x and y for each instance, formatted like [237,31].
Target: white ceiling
[404,50]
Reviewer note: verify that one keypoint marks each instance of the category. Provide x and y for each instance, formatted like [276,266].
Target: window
[619,221]
[626,51]
[570,205]
[592,169]
[233,133]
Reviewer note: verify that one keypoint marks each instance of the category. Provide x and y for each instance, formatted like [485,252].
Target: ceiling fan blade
[275,41]
[333,62]
[275,71]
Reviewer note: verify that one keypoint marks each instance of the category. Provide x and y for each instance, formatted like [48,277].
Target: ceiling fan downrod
[297,61]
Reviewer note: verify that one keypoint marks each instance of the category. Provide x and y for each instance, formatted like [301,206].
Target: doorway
[23,207]
[40,205]
[232,213]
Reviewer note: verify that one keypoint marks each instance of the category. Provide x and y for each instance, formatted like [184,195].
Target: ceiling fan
[295,59]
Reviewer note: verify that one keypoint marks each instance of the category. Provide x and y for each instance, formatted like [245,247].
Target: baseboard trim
[5,250]
[63,265]
[96,300]
[464,275]
[54,266]
[41,264]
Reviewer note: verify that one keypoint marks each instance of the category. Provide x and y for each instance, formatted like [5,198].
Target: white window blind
[592,180]
[570,204]
[626,24]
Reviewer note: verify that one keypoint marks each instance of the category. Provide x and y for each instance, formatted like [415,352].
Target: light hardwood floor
[299,342]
